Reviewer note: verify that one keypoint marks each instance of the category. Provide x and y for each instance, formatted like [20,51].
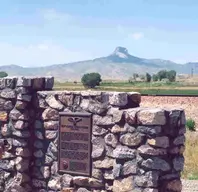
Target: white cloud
[52,15]
[137,36]
[39,54]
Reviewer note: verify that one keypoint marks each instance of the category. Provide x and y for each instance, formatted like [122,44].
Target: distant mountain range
[119,65]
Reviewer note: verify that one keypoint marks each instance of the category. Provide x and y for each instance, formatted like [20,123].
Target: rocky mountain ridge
[119,65]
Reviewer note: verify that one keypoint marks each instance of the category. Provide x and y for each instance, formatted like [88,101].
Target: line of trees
[163,74]
[91,80]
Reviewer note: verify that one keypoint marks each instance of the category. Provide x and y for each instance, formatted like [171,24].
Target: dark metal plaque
[75,143]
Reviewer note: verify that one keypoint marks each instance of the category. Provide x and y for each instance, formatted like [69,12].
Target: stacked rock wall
[16,119]
[133,148]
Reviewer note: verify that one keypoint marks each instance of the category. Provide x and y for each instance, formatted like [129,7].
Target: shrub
[190,124]
[91,80]
[162,74]
[135,75]
[148,77]
[3,74]
[171,75]
[155,77]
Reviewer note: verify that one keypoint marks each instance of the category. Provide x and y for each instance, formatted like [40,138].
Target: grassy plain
[179,88]
[191,157]
[186,87]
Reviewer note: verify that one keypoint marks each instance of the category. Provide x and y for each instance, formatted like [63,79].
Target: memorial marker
[75,143]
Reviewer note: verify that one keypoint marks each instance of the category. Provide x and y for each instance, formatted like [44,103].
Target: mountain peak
[121,52]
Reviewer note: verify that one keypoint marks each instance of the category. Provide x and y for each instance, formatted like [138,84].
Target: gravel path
[190,185]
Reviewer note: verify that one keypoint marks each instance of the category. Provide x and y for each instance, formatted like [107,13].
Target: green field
[176,88]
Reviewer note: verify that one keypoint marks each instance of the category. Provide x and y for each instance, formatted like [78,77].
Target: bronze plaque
[75,143]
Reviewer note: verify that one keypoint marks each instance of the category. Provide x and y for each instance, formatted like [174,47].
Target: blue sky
[45,32]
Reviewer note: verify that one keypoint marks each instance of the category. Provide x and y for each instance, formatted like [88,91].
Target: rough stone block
[111,139]
[24,82]
[116,114]
[147,150]
[50,114]
[104,164]
[129,167]
[151,117]
[24,97]
[65,99]
[69,189]
[8,93]
[118,99]
[135,96]
[49,83]
[131,116]
[159,142]
[105,120]
[150,179]
[156,163]
[97,151]
[124,152]
[123,185]
[180,140]
[53,103]
[38,83]
[131,139]
[149,130]
[3,116]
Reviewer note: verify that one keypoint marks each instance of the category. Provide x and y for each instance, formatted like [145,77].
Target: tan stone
[117,129]
[123,185]
[104,164]
[151,117]
[3,116]
[131,139]
[68,190]
[95,183]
